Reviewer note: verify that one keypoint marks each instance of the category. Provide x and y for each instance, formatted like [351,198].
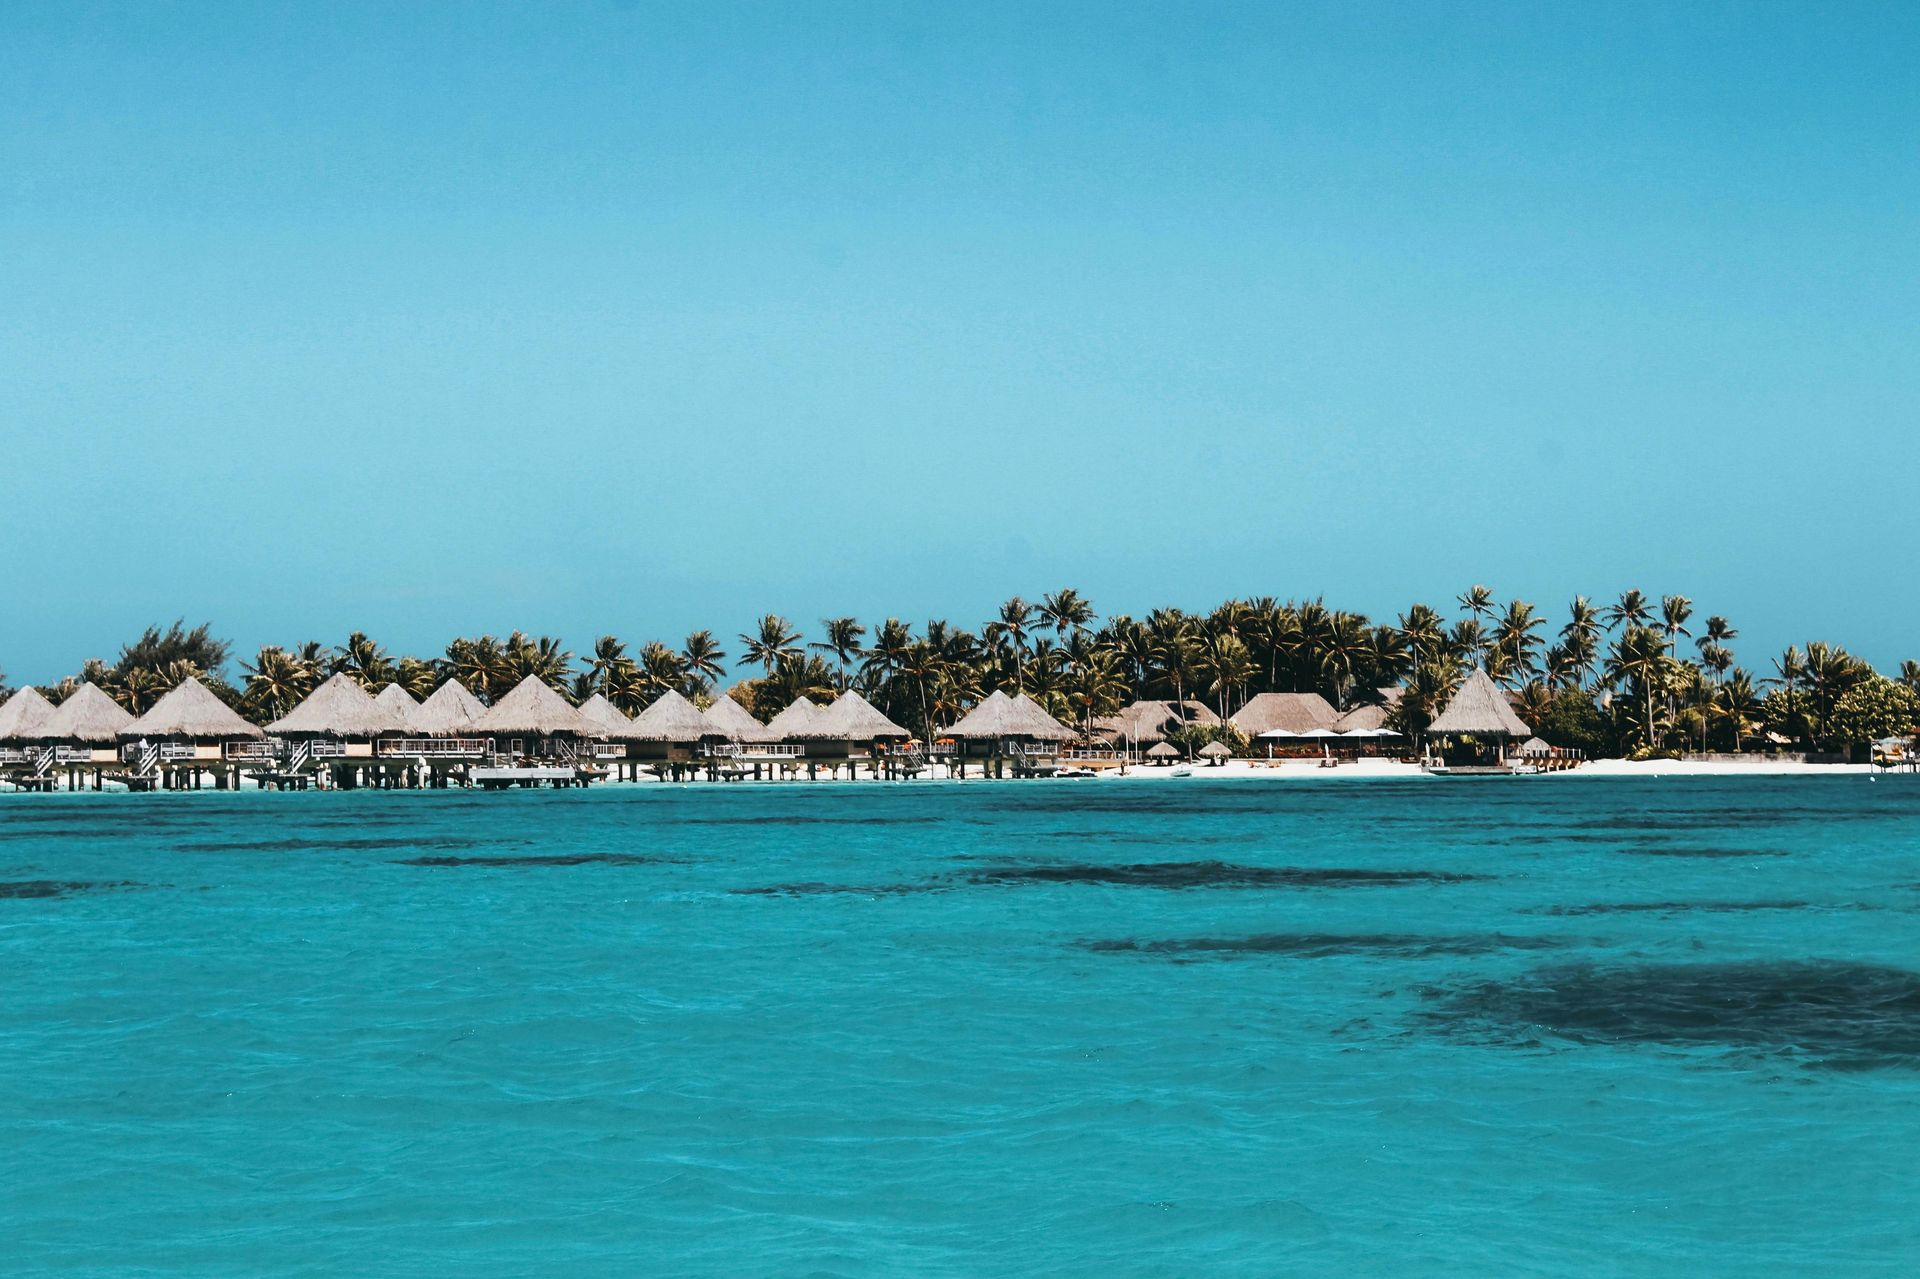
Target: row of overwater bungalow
[340,736]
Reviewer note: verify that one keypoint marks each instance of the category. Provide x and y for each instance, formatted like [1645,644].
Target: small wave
[24,889]
[1329,945]
[1625,908]
[557,859]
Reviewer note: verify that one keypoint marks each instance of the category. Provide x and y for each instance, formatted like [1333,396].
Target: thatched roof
[339,708]
[23,714]
[1150,720]
[192,711]
[671,718]
[795,722]
[732,721]
[1002,716]
[1480,709]
[86,715]
[1291,712]
[1162,750]
[449,711]
[1534,746]
[1362,718]
[1216,750]
[399,701]
[853,718]
[533,707]
[609,720]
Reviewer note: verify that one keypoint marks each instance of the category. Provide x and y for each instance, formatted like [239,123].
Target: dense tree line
[1636,675]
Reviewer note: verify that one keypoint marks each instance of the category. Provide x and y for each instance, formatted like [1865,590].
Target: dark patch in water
[294,844]
[1209,874]
[1834,1013]
[560,859]
[21,889]
[848,818]
[1166,875]
[1623,908]
[1327,945]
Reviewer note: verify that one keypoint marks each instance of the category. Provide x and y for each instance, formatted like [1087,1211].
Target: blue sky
[620,317]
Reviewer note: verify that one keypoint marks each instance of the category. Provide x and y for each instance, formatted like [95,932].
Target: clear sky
[429,320]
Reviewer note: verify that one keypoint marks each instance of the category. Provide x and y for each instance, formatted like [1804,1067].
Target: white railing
[1029,750]
[754,750]
[1084,754]
[15,755]
[320,748]
[73,754]
[247,750]
[434,747]
[609,750]
[177,750]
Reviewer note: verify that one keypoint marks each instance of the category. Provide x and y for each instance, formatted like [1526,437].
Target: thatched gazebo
[1481,711]
[1162,753]
[190,732]
[1003,727]
[1280,717]
[1218,752]
[534,722]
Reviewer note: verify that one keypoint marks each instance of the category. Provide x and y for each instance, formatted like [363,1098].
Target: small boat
[1181,770]
[1076,773]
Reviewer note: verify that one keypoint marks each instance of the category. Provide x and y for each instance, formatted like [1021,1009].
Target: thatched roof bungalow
[610,720]
[1294,714]
[22,715]
[796,723]
[1010,719]
[1149,720]
[86,717]
[339,710]
[533,720]
[400,702]
[734,723]
[1479,709]
[669,728]
[449,711]
[853,721]
[192,729]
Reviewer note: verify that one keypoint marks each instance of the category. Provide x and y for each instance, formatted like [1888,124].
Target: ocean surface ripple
[1547,1026]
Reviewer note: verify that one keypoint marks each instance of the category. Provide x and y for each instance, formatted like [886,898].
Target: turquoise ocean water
[1542,1026]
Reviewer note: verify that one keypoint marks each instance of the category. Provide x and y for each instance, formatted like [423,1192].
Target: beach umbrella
[1162,750]
[1215,751]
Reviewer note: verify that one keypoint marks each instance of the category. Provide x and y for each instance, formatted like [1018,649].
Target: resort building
[534,723]
[336,733]
[1296,714]
[742,744]
[851,729]
[794,723]
[188,735]
[79,737]
[1004,729]
[667,734]
[1141,724]
[23,756]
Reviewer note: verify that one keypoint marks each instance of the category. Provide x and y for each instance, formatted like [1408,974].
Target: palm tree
[1674,612]
[365,660]
[1065,610]
[1515,641]
[772,643]
[843,636]
[1910,674]
[1227,664]
[415,676]
[276,682]
[1640,662]
[1171,635]
[702,660]
[608,653]
[1581,639]
[662,670]
[1737,705]
[1632,610]
[1010,628]
[1478,601]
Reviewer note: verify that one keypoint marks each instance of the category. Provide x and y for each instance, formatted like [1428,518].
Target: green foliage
[1573,721]
[1874,708]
